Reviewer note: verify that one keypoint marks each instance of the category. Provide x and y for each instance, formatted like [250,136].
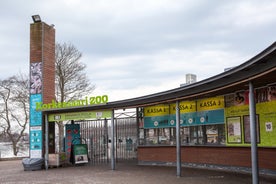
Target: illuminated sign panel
[210,103]
[156,116]
[184,107]
[79,116]
[157,110]
[192,113]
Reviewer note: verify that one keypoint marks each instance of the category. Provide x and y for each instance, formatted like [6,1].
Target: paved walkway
[128,173]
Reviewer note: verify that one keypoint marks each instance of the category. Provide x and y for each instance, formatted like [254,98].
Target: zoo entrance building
[228,120]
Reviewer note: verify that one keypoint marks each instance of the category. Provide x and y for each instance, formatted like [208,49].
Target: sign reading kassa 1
[94,100]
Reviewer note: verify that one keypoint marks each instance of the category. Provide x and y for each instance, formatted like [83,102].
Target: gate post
[46,141]
[112,141]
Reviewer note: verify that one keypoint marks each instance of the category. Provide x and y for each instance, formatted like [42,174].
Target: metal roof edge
[153,98]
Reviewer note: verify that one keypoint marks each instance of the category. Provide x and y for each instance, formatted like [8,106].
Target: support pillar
[42,81]
[112,141]
[253,135]
[46,157]
[178,145]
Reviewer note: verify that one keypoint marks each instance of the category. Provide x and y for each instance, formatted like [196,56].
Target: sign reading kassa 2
[94,100]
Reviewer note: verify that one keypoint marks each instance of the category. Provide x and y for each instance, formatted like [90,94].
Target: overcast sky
[134,48]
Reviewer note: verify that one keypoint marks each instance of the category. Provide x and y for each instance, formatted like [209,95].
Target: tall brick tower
[42,79]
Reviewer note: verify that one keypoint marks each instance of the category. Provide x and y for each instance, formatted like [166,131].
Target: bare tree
[14,109]
[71,80]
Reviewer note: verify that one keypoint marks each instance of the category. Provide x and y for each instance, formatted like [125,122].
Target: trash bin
[32,164]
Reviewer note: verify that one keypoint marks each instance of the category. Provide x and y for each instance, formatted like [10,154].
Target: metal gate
[96,134]
[126,138]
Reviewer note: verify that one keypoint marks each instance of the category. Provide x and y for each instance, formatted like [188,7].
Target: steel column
[46,142]
[178,146]
[253,135]
[112,142]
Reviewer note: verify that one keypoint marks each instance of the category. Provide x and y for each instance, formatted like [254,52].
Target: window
[192,135]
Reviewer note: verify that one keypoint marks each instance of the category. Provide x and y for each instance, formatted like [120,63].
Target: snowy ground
[6,150]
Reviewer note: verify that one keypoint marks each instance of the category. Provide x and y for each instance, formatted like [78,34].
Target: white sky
[134,48]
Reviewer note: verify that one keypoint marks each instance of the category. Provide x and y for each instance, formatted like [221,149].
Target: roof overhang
[260,71]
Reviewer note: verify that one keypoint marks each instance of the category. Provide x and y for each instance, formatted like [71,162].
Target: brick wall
[232,156]
[48,64]
[42,49]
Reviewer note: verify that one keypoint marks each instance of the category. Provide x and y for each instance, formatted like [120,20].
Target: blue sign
[157,121]
[35,116]
[35,138]
[186,119]
[210,117]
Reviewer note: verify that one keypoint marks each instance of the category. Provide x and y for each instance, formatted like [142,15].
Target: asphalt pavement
[125,173]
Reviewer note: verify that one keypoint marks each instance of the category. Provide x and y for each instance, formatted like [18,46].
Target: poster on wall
[72,137]
[246,129]
[36,78]
[241,98]
[266,94]
[261,95]
[268,127]
[237,99]
[271,93]
[35,116]
[35,142]
[234,129]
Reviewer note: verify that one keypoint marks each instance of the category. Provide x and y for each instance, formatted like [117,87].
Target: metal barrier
[97,134]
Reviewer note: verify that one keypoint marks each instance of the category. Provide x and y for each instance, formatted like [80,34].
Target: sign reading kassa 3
[210,103]
[94,100]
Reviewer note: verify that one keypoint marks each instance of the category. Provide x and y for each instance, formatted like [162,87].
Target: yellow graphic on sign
[157,110]
[210,103]
[185,107]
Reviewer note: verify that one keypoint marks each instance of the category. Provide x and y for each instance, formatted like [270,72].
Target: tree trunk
[14,148]
[61,136]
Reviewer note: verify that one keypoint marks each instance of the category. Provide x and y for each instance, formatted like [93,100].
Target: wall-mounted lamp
[36,18]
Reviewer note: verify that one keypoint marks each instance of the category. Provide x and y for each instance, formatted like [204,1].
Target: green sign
[79,115]
[80,153]
[95,100]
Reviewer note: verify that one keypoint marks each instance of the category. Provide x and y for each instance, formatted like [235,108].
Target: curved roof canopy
[260,70]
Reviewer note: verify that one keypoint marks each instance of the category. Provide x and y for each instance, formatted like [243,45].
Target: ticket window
[192,135]
[160,136]
[151,136]
[185,135]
